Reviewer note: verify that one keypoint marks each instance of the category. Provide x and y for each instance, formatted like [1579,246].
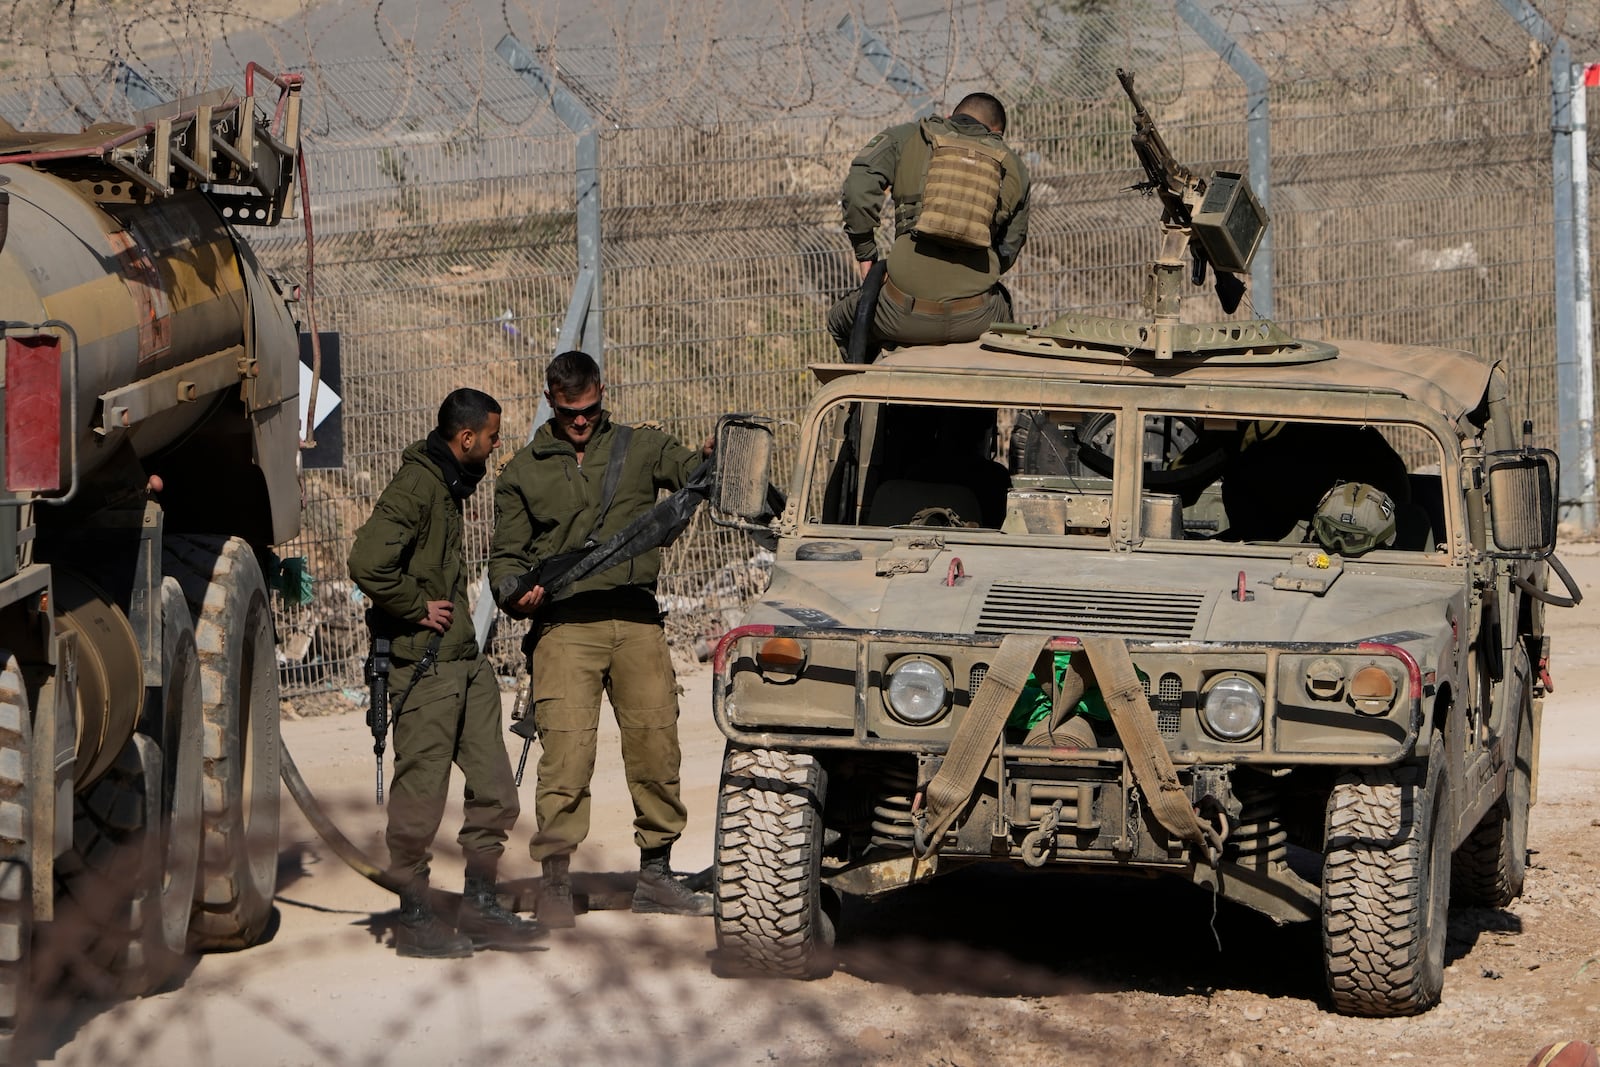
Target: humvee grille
[1166,702]
[1016,607]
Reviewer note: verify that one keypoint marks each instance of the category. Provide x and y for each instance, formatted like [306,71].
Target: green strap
[950,791]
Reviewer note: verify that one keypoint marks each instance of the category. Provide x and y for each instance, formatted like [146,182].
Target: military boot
[422,934]
[660,892]
[487,924]
[554,907]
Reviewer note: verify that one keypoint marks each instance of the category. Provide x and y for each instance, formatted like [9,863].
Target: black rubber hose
[342,846]
[1572,600]
[861,340]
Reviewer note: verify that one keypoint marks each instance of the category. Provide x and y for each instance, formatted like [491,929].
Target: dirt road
[974,968]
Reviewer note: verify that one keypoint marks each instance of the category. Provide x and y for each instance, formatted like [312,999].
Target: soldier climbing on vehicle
[961,218]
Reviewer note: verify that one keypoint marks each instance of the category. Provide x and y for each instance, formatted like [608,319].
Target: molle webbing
[962,191]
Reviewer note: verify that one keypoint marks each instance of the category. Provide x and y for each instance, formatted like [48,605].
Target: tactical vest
[961,191]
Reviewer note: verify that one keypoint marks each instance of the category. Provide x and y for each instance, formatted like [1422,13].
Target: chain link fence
[1411,196]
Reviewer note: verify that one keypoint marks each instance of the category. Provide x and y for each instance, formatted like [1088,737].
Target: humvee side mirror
[1522,502]
[743,466]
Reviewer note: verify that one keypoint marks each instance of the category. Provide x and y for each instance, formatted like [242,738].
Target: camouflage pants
[573,664]
[452,716]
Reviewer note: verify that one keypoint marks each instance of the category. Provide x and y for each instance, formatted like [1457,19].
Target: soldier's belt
[906,302]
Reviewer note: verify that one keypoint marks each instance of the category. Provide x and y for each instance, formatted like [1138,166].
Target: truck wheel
[239,698]
[1489,868]
[770,917]
[16,878]
[1386,889]
[183,740]
[107,937]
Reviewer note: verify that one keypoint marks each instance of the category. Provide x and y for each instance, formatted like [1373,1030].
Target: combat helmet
[1353,518]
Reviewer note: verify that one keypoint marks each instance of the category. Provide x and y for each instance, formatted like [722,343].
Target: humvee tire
[1386,889]
[770,914]
[239,695]
[16,826]
[1489,868]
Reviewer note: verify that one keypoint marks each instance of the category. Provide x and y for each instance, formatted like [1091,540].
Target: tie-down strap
[950,791]
[1147,753]
[951,788]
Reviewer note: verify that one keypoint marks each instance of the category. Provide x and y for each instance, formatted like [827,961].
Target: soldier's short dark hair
[985,108]
[466,409]
[571,373]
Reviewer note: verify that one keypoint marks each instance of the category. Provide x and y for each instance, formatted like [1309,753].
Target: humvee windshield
[1051,472]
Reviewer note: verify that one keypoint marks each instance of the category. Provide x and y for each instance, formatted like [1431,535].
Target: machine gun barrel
[1165,176]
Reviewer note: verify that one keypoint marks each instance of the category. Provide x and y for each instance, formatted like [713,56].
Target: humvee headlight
[918,691]
[1231,707]
[1372,690]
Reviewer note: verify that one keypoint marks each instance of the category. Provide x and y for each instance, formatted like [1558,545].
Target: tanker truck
[149,444]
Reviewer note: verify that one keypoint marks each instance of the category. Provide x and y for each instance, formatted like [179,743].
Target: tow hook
[1040,844]
[1214,822]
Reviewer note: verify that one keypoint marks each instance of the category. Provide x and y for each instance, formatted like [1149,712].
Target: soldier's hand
[708,446]
[529,602]
[863,266]
[439,615]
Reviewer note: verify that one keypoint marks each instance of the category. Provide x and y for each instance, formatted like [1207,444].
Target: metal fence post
[895,73]
[1574,370]
[582,326]
[1258,135]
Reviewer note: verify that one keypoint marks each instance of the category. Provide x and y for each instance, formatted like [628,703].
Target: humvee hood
[1144,597]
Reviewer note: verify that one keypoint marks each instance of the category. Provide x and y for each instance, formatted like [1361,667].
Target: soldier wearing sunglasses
[602,634]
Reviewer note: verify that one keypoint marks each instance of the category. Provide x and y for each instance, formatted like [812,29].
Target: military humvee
[1056,599]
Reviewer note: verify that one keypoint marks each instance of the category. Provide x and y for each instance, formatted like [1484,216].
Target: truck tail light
[33,413]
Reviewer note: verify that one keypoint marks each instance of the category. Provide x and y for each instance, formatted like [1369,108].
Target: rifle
[376,671]
[1180,192]
[658,527]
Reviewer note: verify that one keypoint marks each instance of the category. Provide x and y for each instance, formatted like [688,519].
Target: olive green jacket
[410,552]
[546,502]
[897,159]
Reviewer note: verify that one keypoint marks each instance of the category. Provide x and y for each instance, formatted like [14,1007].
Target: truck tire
[239,696]
[1386,889]
[128,893]
[16,832]
[183,739]
[770,914]
[106,940]
[1489,868]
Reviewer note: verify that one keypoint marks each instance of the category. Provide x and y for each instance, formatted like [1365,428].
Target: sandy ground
[974,968]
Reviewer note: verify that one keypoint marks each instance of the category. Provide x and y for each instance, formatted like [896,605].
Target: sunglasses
[576,413]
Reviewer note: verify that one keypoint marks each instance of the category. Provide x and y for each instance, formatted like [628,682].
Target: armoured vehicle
[1262,614]
[149,447]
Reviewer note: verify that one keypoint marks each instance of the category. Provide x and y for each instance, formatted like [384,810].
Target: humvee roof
[1447,381]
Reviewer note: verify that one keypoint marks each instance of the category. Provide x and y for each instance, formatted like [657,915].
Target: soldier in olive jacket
[408,559]
[603,634]
[934,292]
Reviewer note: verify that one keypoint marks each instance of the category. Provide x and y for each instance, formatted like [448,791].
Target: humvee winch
[1052,599]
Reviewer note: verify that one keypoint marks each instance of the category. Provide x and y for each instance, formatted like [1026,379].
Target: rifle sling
[608,492]
[430,656]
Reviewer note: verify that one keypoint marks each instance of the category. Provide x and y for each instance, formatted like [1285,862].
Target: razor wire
[1411,201]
